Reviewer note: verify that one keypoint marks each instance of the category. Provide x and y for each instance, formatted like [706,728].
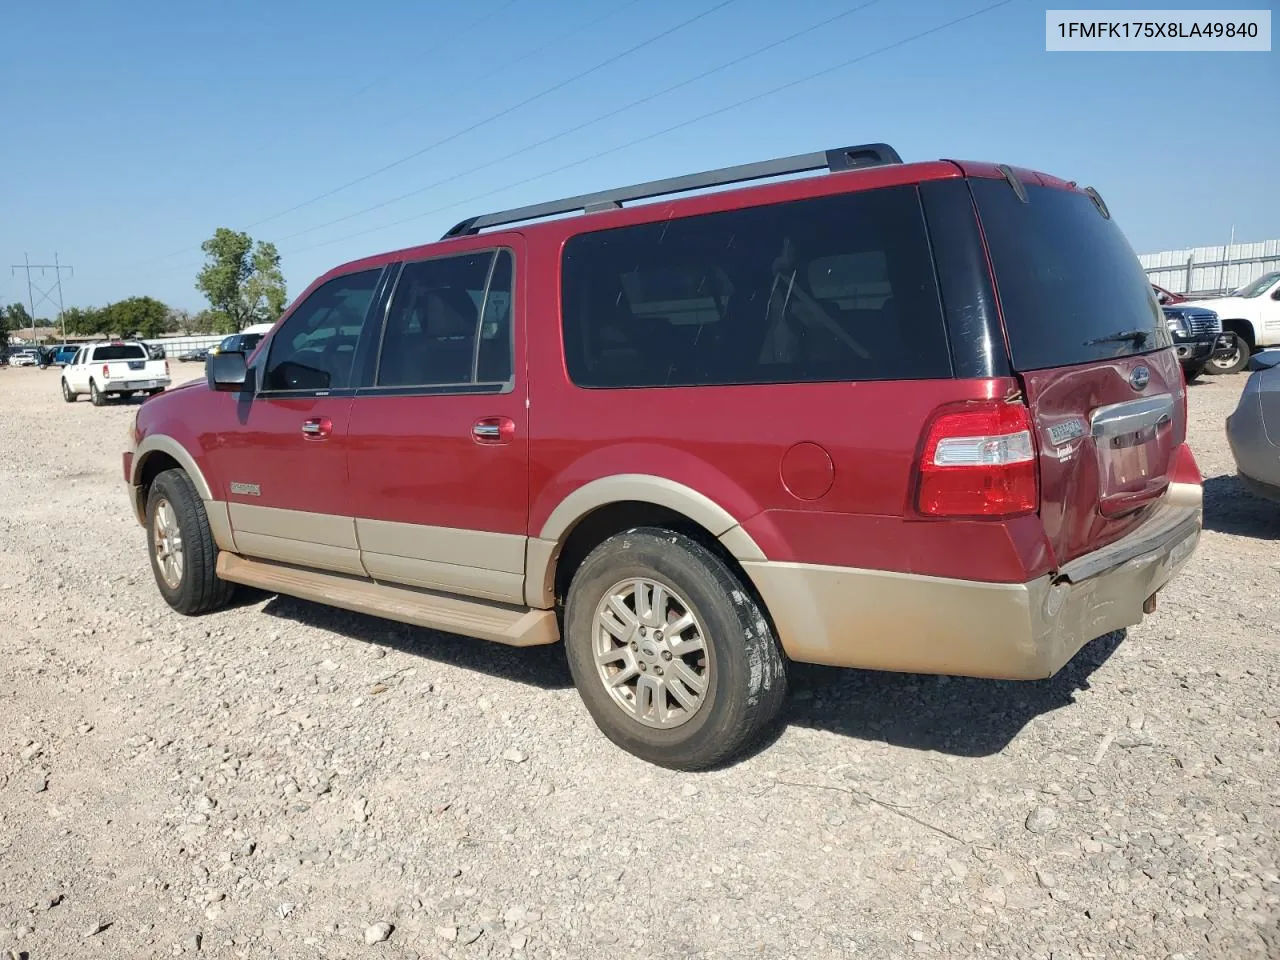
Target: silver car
[1253,430]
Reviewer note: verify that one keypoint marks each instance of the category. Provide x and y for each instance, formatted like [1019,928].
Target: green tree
[4,332]
[19,318]
[241,281]
[83,321]
[143,317]
[209,321]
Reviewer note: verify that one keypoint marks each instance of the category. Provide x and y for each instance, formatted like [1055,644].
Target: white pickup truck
[118,368]
[1252,313]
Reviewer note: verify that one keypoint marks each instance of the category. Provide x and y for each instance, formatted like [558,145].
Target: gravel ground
[286,780]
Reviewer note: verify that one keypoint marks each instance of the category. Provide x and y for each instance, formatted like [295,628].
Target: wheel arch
[607,506]
[1243,328]
[159,452]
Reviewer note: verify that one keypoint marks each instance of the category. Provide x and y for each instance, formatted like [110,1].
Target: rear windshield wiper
[1139,337]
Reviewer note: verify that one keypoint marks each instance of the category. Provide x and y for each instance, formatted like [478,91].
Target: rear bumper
[134,386]
[903,622]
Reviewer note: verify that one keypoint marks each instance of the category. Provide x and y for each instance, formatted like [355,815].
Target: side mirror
[227,372]
[1275,294]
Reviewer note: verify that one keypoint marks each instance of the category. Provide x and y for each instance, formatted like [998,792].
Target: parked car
[196,353]
[700,437]
[243,342]
[64,354]
[26,357]
[1197,338]
[119,368]
[1252,315]
[1253,430]
[1167,297]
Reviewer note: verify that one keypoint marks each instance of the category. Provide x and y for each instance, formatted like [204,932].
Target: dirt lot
[279,779]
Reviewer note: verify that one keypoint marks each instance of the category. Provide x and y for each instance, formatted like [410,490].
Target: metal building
[1211,271]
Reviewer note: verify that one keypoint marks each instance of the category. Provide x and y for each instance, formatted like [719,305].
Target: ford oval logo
[1140,377]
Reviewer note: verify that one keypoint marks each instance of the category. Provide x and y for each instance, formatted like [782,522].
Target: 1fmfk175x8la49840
[919,417]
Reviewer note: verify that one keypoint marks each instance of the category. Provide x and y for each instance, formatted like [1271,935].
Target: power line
[449,41]
[588,123]
[47,294]
[500,114]
[671,129]
[452,39]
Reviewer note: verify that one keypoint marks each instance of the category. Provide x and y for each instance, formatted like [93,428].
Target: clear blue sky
[131,131]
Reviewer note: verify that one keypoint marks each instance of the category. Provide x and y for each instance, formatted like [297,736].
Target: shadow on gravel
[959,716]
[543,667]
[1229,507]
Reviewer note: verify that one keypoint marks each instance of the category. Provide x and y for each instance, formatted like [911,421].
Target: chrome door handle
[493,430]
[317,429]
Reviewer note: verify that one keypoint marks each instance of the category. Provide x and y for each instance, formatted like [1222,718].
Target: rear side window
[833,288]
[1070,286]
[123,351]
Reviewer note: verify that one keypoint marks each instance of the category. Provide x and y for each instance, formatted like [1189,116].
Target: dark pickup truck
[1197,337]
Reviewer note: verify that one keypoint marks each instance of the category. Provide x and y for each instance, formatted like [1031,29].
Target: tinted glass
[1070,286]
[314,348]
[449,323]
[834,288]
[123,351]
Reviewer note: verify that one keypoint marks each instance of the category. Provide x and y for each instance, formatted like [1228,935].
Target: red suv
[920,417]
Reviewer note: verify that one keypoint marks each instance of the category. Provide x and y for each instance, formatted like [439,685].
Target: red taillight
[166,368]
[979,460]
[106,371]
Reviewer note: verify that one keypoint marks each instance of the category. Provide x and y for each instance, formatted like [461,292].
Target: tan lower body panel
[476,563]
[293,536]
[903,622]
[515,626]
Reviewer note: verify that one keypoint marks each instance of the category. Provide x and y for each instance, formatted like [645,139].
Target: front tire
[96,396]
[1192,372]
[670,651]
[184,556]
[1223,366]
[67,393]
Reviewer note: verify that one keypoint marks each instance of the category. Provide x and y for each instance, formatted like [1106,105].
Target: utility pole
[47,294]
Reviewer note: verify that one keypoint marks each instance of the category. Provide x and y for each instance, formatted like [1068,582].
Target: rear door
[1091,346]
[439,445]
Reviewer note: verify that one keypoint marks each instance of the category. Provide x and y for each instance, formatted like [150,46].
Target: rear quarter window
[1071,288]
[826,289]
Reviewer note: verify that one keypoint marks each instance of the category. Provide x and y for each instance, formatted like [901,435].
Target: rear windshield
[124,351]
[1070,286]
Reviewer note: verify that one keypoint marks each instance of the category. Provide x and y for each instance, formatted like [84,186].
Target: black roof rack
[843,158]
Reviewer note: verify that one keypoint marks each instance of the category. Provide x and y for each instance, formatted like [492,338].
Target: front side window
[315,347]
[449,323]
[827,289]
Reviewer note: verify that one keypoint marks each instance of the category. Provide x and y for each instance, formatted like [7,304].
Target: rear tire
[67,393]
[1225,366]
[96,396]
[703,692]
[178,527]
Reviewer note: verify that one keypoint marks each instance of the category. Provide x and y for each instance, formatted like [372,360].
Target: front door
[283,461]
[438,442]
